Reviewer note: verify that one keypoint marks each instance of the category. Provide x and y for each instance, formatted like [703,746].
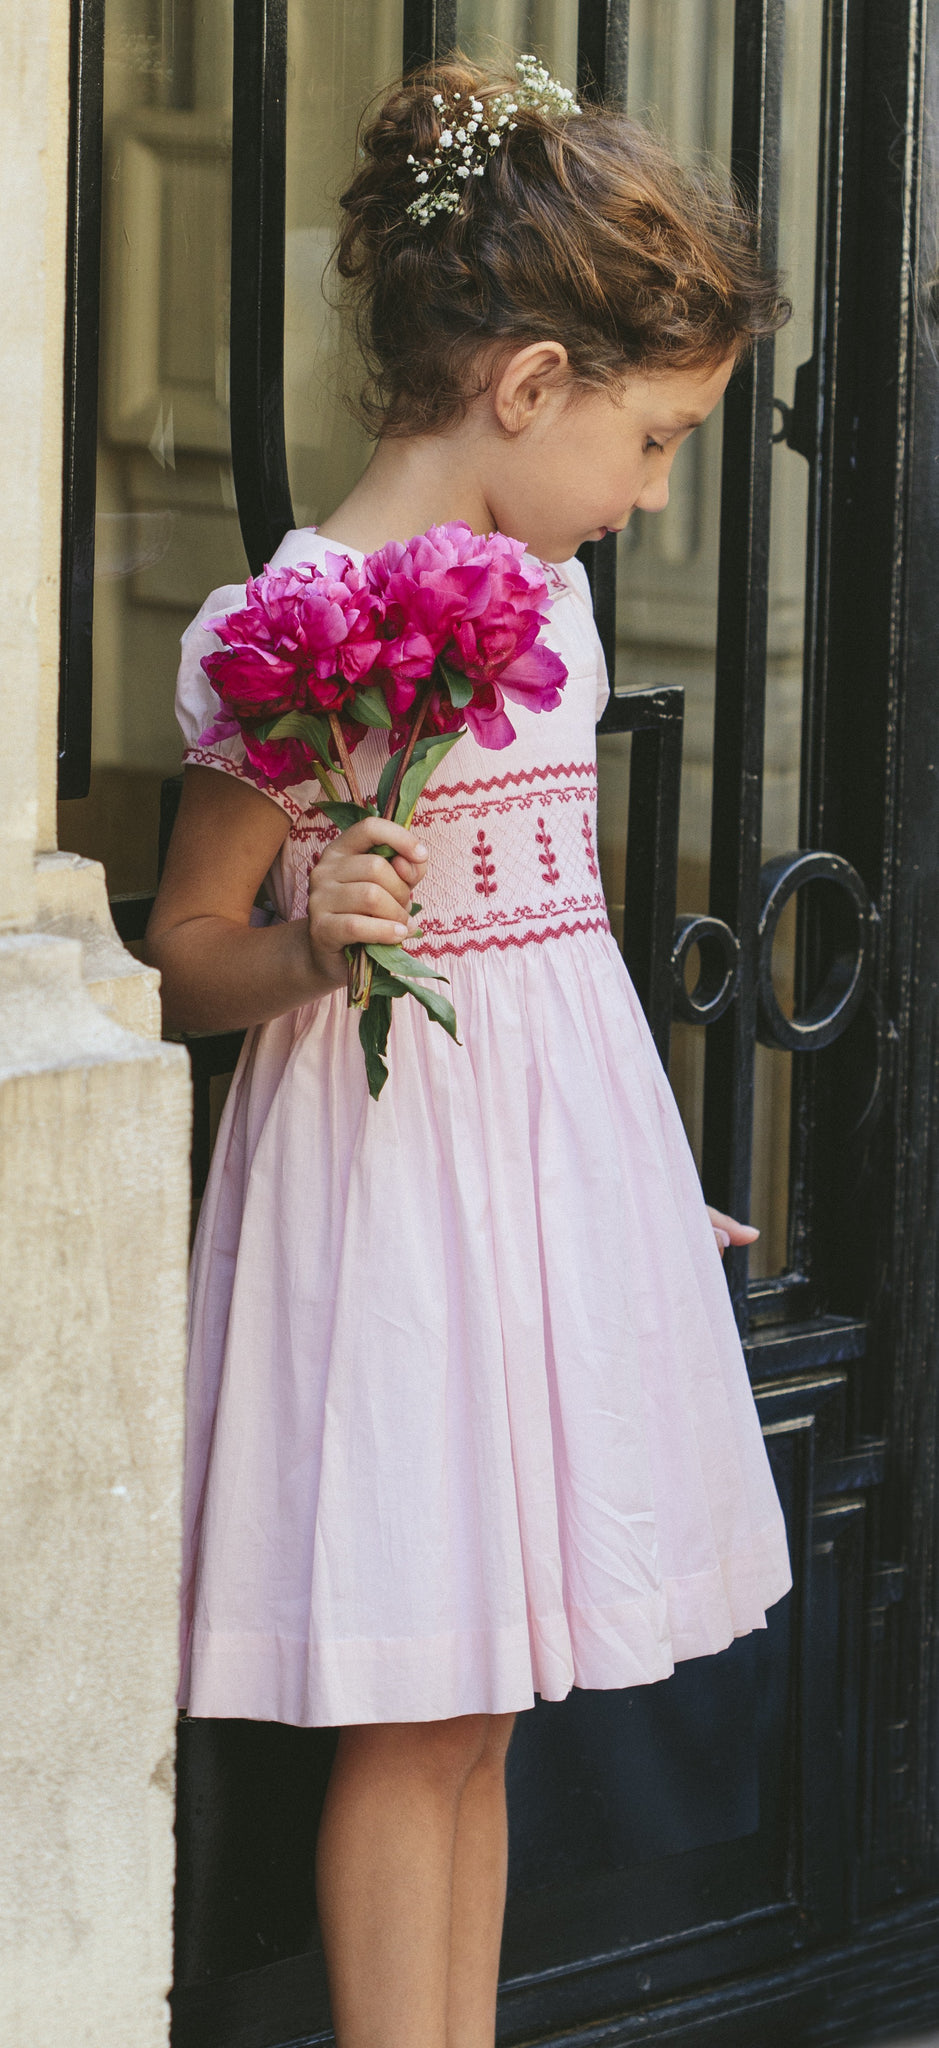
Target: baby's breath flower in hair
[470,132]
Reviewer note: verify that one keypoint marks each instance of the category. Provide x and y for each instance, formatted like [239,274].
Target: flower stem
[345,760]
[413,737]
[358,979]
[326,783]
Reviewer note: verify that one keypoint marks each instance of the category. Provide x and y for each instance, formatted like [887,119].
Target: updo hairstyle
[582,229]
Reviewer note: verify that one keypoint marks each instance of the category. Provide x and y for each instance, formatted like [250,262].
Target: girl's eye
[650,444]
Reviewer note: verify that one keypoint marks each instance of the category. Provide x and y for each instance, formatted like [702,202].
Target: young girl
[468,1416]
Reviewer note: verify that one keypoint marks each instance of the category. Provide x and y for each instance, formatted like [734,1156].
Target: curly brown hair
[583,230]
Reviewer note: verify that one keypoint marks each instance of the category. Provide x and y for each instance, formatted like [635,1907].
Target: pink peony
[478,602]
[303,641]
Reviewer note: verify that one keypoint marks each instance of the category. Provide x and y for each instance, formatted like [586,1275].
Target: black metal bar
[82,317]
[602,58]
[740,685]
[131,915]
[603,50]
[259,155]
[655,719]
[599,560]
[429,31]
[820,380]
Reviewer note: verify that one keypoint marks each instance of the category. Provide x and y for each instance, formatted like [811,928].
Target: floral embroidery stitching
[588,843]
[553,771]
[550,871]
[503,940]
[483,866]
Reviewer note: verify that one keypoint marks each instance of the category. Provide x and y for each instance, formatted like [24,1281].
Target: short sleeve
[580,584]
[198,708]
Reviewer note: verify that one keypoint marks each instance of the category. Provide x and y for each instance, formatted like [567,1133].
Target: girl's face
[576,463]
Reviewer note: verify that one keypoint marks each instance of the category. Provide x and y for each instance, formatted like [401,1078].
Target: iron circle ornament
[847,973]
[719,970]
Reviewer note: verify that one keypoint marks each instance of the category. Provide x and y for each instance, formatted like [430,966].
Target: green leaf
[459,686]
[308,726]
[427,756]
[394,960]
[438,1006]
[374,1026]
[385,985]
[345,815]
[369,707]
[386,779]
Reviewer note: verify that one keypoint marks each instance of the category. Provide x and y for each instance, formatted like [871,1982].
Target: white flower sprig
[470,133]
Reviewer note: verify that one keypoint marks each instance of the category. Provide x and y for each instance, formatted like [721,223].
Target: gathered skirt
[468,1418]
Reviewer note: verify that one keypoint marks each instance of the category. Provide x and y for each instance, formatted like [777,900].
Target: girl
[468,1416]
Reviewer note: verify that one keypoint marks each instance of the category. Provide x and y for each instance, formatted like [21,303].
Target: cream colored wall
[93,1228]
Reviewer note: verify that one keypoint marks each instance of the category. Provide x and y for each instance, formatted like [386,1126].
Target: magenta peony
[476,602]
[304,641]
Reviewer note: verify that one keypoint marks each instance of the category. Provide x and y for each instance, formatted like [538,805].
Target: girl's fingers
[371,832]
[357,896]
[367,871]
[362,931]
[728,1231]
[411,871]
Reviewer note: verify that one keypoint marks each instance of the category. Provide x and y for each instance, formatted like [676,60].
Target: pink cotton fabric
[468,1418]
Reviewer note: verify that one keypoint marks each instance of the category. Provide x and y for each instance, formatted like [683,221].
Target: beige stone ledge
[94,1135]
[72,903]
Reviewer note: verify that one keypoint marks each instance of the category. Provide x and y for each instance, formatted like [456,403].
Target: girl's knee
[444,1753]
[498,1735]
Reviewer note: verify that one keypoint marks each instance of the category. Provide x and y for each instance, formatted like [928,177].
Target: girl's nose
[654,495]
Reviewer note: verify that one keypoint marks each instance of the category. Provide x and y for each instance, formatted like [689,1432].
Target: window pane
[166,526]
[341,53]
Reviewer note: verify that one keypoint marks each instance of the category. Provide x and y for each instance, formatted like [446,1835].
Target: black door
[745,1853]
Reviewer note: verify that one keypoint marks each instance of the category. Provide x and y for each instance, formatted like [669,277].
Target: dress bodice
[511,833]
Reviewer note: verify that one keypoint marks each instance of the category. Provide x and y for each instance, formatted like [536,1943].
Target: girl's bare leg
[384,1868]
[479,1873]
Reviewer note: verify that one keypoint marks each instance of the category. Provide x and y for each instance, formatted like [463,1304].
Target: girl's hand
[727,1231]
[359,898]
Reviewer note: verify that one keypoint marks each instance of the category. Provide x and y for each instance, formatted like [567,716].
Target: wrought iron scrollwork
[719,968]
[797,426]
[848,970]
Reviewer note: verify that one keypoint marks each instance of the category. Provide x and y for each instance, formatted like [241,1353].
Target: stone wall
[94,1116]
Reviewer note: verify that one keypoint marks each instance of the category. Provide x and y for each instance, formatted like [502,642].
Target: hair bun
[584,230]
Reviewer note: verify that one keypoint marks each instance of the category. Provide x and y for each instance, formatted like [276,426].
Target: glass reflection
[340,56]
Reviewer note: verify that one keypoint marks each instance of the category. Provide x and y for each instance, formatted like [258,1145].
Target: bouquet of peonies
[425,639]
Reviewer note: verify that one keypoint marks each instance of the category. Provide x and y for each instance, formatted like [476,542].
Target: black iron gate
[746,1853]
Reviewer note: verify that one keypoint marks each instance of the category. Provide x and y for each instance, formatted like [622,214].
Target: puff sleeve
[198,708]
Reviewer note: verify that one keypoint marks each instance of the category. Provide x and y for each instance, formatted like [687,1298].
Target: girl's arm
[219,971]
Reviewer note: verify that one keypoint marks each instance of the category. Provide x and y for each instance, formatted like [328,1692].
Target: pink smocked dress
[468,1418]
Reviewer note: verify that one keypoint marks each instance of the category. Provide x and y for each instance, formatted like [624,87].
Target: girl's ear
[529,383]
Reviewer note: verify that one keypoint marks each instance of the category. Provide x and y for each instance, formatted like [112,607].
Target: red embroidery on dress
[503,940]
[550,871]
[588,842]
[562,768]
[483,866]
